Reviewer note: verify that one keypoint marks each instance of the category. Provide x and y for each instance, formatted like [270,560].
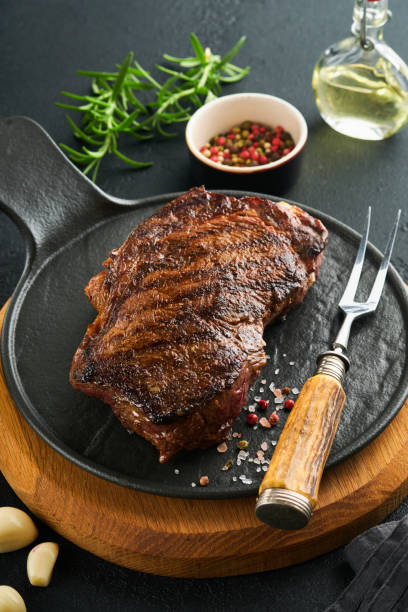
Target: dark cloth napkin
[380,559]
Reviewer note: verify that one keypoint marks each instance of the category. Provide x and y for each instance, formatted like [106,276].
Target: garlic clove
[11,600]
[17,530]
[40,563]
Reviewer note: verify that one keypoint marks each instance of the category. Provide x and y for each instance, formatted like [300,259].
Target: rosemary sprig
[113,106]
[200,83]
[105,114]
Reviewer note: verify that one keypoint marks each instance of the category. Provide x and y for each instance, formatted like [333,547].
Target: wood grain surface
[304,445]
[192,538]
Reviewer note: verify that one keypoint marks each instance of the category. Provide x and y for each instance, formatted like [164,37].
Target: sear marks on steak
[182,306]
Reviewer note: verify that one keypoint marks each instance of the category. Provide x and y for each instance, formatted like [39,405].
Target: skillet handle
[42,191]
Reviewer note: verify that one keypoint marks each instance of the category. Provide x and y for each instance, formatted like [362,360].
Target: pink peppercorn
[245,154]
[252,419]
[262,129]
[214,158]
[263,159]
[221,140]
[214,150]
[226,154]
[254,127]
[288,404]
[262,404]
[254,155]
[286,151]
[276,141]
[274,419]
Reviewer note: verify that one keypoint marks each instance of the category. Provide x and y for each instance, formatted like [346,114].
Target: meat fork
[290,487]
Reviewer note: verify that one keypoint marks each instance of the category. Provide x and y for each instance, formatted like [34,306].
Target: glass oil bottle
[361,84]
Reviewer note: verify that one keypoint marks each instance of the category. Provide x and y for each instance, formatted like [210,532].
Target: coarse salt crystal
[276,371]
[268,357]
[291,363]
[274,442]
[248,481]
[251,409]
[193,484]
[250,459]
[263,381]
[265,468]
[258,469]
[234,479]
[255,428]
[257,398]
[264,446]
[176,471]
[284,355]
[257,460]
[278,400]
[243,455]
[238,461]
[261,390]
[295,391]
[272,386]
[235,434]
[242,477]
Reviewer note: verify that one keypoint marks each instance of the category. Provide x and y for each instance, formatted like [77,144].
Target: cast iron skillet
[69,226]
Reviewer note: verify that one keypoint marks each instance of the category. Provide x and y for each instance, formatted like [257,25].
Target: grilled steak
[182,305]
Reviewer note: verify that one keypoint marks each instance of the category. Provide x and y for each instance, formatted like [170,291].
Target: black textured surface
[42,44]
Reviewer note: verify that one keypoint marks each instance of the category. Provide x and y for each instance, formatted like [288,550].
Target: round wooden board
[192,538]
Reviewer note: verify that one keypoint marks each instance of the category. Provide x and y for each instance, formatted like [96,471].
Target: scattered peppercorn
[274,419]
[204,480]
[249,144]
[252,419]
[242,444]
[228,465]
[288,404]
[262,404]
[285,391]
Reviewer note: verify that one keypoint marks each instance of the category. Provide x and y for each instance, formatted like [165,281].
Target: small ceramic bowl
[222,114]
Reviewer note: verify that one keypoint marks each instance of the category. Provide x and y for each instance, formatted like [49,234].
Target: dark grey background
[42,44]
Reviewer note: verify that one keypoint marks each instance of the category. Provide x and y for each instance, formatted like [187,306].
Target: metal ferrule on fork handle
[333,363]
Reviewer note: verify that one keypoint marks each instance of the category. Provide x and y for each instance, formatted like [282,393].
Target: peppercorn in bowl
[246,133]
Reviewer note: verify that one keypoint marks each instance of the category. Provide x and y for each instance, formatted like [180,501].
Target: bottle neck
[377,15]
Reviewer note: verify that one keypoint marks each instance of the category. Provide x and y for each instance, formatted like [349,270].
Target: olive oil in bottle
[360,83]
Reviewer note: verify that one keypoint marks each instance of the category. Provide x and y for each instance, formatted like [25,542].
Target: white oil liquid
[360,101]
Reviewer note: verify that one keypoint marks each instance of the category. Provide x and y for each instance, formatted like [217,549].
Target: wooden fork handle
[289,490]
